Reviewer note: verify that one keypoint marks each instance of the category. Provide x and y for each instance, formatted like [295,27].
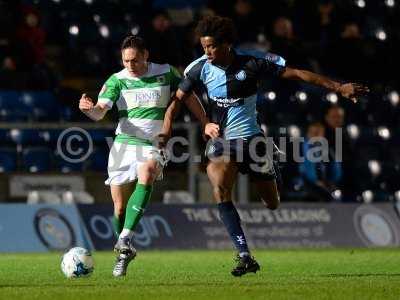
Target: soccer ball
[77,262]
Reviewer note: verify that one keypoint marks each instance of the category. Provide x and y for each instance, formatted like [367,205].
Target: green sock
[118,224]
[136,205]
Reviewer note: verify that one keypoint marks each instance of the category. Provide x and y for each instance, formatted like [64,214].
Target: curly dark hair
[134,41]
[219,28]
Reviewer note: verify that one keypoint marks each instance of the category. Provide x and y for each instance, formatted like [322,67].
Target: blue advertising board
[293,225]
[38,228]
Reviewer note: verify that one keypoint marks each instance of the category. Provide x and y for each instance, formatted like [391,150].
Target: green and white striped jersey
[141,101]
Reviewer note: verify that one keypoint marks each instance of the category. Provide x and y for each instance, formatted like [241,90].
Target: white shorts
[125,160]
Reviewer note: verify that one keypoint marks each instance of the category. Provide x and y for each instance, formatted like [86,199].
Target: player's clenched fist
[211,130]
[85,103]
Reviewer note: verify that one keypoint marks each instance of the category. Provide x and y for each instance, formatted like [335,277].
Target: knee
[273,206]
[273,202]
[221,193]
[148,173]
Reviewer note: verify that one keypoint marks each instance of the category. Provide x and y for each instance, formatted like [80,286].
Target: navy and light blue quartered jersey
[232,92]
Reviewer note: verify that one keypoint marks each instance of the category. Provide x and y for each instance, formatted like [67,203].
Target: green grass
[285,274]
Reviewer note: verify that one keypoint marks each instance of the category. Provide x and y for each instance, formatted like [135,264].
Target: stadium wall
[38,228]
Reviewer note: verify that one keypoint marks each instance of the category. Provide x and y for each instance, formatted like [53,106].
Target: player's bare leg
[120,195]
[222,175]
[268,191]
[147,174]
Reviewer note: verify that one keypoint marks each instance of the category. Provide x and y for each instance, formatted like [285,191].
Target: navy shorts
[252,155]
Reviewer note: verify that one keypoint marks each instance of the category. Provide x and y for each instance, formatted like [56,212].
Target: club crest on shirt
[241,75]
[161,79]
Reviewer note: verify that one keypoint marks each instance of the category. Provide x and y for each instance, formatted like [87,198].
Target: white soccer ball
[77,262]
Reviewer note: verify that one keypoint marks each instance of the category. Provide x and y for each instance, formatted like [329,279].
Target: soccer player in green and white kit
[141,91]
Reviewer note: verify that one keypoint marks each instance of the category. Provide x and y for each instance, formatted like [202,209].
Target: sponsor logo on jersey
[228,102]
[241,75]
[148,95]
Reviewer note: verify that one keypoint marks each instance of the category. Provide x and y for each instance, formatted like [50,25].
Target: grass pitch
[285,274]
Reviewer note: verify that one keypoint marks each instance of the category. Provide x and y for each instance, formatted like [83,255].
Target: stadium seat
[97,161]
[8,160]
[17,115]
[5,138]
[53,136]
[30,137]
[43,105]
[65,113]
[9,99]
[99,137]
[36,159]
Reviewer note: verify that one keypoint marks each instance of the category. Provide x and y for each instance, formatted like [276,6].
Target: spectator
[247,22]
[349,50]
[320,173]
[316,20]
[30,34]
[335,119]
[163,42]
[285,44]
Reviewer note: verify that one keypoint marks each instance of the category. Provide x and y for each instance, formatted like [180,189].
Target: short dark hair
[134,41]
[316,124]
[220,28]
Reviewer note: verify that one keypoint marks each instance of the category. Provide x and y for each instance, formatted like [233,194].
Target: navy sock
[231,220]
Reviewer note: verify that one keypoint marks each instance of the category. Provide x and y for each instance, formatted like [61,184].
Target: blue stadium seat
[54,134]
[43,105]
[99,136]
[15,115]
[8,160]
[38,99]
[5,138]
[36,159]
[18,107]
[9,99]
[65,113]
[12,109]
[98,160]
[29,137]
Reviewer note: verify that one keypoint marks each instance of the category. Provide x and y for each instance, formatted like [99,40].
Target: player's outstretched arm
[348,90]
[95,112]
